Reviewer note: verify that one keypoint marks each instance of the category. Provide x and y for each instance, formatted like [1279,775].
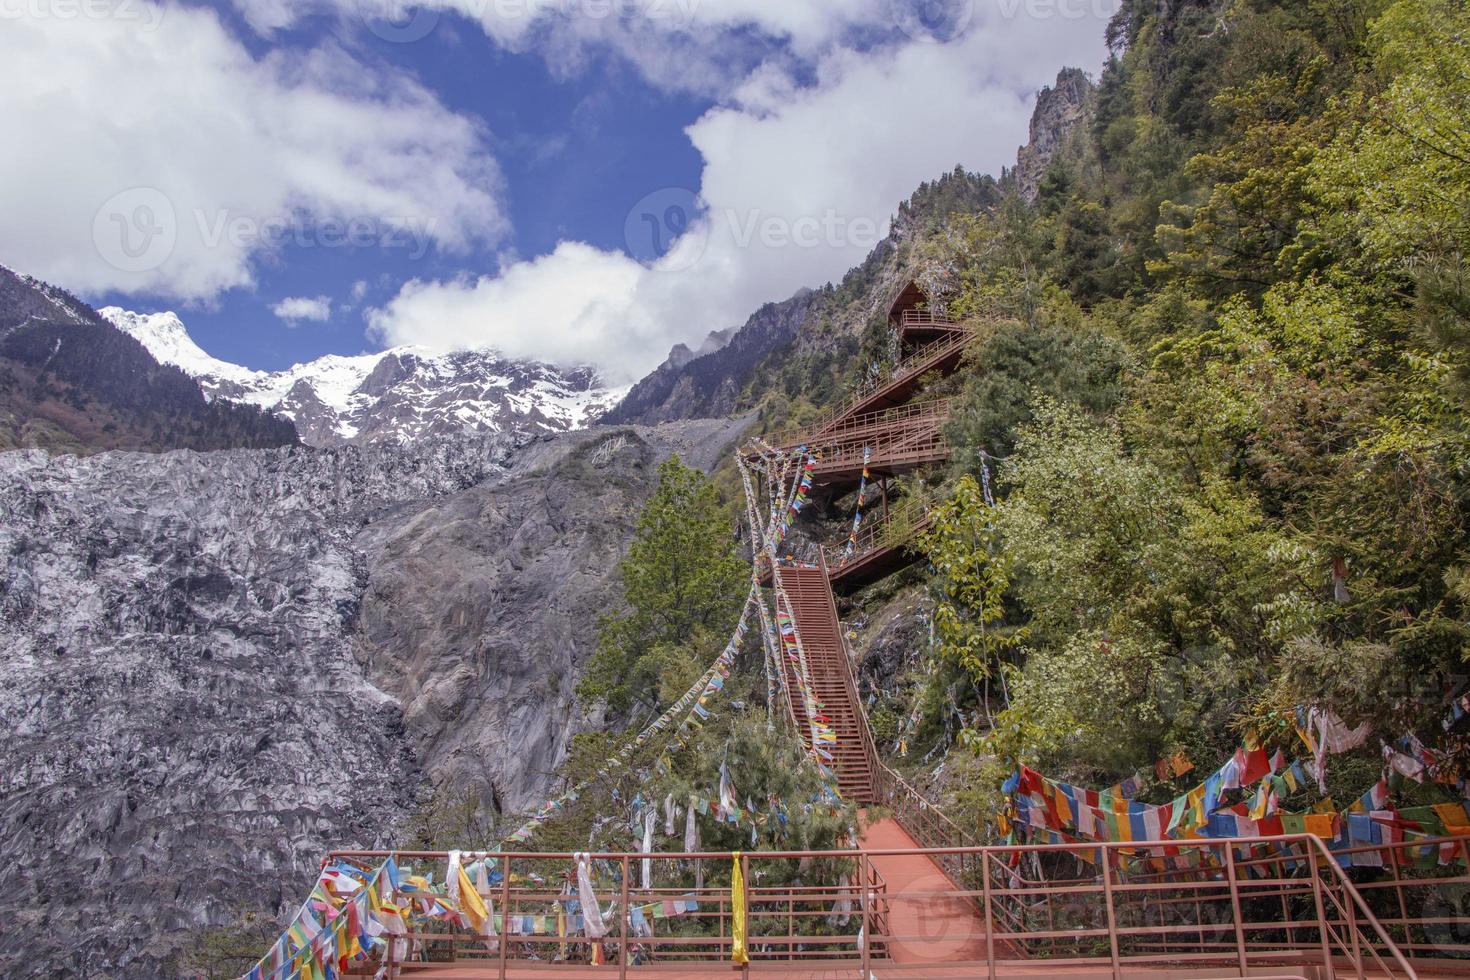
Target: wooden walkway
[925,927]
[821,637]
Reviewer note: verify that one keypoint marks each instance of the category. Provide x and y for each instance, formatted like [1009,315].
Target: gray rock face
[218,666]
[482,607]
[707,383]
[1059,110]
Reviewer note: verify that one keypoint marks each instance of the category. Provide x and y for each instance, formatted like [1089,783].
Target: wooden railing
[924,318]
[1245,905]
[866,427]
[1273,906]
[901,524]
[921,362]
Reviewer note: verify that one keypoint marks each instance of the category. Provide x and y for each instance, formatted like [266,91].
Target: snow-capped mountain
[398,395]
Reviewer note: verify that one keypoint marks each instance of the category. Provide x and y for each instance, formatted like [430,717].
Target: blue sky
[295,177]
[575,155]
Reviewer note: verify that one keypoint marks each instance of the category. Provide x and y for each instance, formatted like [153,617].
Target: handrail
[1326,859]
[924,318]
[868,425]
[1215,909]
[875,534]
[920,362]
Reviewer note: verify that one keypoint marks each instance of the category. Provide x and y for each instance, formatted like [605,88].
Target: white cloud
[690,45]
[799,183]
[156,154]
[294,309]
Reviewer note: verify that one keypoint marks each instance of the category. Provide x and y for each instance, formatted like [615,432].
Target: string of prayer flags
[1173,766]
[692,705]
[1046,810]
[857,514]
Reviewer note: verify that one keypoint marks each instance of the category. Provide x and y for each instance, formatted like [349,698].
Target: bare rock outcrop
[215,667]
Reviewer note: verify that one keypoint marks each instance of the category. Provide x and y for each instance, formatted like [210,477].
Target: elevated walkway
[1278,907]
[884,545]
[940,358]
[854,757]
[891,442]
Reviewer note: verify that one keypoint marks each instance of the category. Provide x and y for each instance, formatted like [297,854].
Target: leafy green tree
[683,584]
[226,952]
[1014,361]
[971,575]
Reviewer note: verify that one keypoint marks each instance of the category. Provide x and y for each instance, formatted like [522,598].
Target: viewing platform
[1278,907]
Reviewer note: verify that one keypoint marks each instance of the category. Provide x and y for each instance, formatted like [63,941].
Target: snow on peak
[397,394]
[164,336]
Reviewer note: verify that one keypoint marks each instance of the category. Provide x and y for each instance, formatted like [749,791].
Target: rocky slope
[217,666]
[396,395]
[70,382]
[1060,110]
[708,383]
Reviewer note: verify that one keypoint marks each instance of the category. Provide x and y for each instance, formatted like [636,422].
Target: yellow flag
[738,954]
[471,905]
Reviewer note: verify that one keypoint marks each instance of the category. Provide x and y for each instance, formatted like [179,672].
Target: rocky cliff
[1060,110]
[709,383]
[217,666]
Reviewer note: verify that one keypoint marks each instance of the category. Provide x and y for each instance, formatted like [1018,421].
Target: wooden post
[504,912]
[745,901]
[1102,853]
[1321,912]
[1398,890]
[623,916]
[866,929]
[1235,907]
[989,915]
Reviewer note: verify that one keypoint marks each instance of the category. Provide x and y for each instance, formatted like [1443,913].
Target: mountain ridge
[72,382]
[399,394]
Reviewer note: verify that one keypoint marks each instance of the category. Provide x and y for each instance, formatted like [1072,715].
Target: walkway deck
[926,928]
[882,970]
[821,637]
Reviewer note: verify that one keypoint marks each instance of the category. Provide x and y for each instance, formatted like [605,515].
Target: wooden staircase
[815,612]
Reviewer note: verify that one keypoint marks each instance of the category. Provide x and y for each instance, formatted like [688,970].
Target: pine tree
[683,584]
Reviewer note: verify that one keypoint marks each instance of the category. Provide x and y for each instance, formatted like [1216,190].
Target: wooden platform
[880,970]
[821,638]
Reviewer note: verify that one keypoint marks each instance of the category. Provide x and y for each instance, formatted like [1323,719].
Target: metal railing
[924,318]
[901,524]
[863,428]
[1221,907]
[917,364]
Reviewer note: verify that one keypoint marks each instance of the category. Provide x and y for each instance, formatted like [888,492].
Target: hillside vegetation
[1220,392]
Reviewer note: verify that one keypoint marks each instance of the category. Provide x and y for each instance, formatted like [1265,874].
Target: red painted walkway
[926,928]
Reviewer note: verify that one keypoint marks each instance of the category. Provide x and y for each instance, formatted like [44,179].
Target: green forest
[1220,391]
[1225,395]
